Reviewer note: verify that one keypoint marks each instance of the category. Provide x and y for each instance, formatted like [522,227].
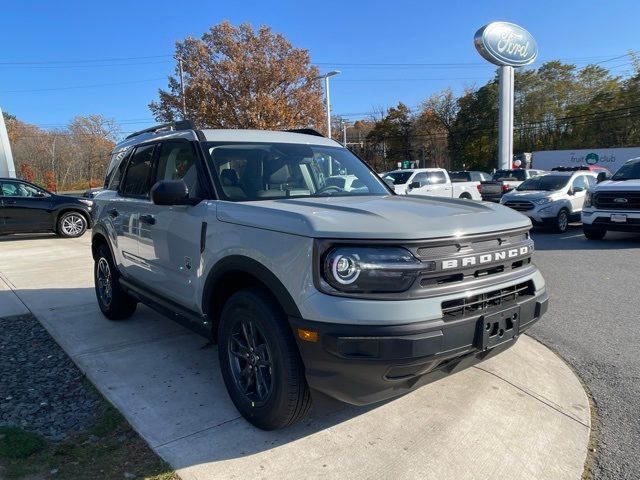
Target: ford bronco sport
[357,293]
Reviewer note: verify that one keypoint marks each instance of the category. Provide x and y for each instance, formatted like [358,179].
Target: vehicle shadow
[574,239]
[9,237]
[166,381]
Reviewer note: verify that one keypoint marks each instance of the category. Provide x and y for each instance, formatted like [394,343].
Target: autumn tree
[236,77]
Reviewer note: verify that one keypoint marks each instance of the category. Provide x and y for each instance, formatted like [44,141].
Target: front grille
[617,200]
[480,245]
[475,304]
[519,205]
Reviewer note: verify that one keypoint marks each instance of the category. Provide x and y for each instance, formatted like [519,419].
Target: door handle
[113,213]
[148,219]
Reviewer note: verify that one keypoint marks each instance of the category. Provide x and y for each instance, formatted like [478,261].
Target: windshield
[547,183]
[263,171]
[629,171]
[517,174]
[398,178]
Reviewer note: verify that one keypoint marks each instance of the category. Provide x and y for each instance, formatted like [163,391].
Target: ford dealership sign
[506,44]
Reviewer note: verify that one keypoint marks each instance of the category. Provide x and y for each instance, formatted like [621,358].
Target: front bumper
[601,220]
[543,214]
[363,364]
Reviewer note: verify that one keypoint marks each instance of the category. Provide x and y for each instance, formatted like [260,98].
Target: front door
[577,199]
[169,236]
[25,208]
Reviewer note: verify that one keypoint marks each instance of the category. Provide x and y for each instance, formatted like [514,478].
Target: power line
[97,85]
[116,59]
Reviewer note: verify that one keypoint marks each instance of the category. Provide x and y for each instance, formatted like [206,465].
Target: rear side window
[116,169]
[137,179]
[437,177]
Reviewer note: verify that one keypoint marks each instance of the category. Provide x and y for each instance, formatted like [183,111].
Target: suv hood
[371,217]
[619,185]
[529,195]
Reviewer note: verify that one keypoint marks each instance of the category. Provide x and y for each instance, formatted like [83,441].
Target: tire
[562,221]
[260,361]
[465,196]
[114,302]
[594,233]
[71,225]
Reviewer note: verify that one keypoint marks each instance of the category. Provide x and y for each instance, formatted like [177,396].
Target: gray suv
[307,286]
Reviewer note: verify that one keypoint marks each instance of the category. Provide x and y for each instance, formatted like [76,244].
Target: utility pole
[344,133]
[182,94]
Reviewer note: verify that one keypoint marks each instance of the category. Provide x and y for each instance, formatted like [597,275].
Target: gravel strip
[41,390]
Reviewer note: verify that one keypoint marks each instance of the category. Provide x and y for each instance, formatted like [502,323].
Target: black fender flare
[98,230]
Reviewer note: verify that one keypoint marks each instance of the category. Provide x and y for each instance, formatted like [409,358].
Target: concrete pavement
[521,415]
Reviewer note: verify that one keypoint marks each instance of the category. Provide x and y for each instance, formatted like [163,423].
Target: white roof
[267,136]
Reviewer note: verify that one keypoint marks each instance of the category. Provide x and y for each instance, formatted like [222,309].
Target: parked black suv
[27,208]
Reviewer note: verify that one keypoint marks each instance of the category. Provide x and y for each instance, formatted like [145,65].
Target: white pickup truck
[430,181]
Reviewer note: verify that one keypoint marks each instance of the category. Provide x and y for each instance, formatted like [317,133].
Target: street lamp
[327,101]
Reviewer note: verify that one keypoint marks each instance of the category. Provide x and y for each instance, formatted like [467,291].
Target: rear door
[170,236]
[438,185]
[25,208]
[124,210]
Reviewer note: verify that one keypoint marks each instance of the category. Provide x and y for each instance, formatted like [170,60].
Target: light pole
[345,125]
[326,97]
[182,95]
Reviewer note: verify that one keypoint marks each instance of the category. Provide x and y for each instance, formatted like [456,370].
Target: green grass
[107,451]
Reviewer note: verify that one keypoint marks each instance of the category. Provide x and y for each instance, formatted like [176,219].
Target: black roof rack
[306,131]
[178,125]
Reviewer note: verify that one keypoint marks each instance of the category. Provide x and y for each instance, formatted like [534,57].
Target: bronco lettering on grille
[486,258]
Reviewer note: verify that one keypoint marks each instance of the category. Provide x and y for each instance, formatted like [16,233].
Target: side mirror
[602,176]
[575,190]
[389,183]
[170,192]
[413,185]
[40,195]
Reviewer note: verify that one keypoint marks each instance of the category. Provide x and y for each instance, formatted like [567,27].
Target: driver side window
[580,182]
[422,178]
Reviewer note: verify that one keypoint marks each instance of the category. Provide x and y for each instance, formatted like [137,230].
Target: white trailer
[611,158]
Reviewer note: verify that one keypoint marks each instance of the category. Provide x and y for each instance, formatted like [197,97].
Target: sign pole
[505,122]
[507,45]
[7,168]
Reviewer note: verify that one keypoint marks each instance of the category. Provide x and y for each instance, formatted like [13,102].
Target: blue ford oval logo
[504,43]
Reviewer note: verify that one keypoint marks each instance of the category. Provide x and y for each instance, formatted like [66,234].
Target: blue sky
[335,32]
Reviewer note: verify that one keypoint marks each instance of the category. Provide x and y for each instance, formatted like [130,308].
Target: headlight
[371,269]
[88,203]
[588,200]
[542,201]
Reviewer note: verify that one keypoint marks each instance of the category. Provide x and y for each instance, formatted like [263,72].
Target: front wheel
[260,362]
[594,233]
[72,225]
[114,302]
[562,221]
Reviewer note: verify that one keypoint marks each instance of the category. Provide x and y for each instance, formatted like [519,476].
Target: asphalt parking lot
[502,419]
[593,324]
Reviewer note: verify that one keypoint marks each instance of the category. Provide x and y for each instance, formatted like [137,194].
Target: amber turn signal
[308,335]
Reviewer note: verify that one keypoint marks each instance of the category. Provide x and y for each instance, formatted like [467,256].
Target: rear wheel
[72,225]
[466,196]
[260,362]
[594,233]
[114,302]
[562,221]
